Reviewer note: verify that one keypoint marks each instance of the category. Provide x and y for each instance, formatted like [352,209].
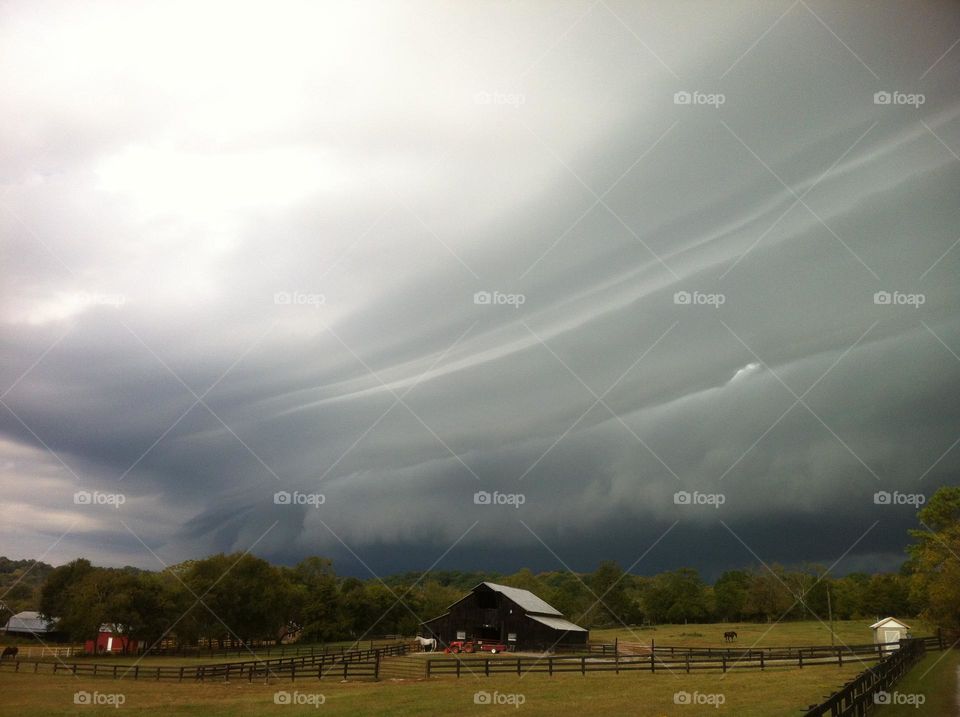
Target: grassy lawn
[748,693]
[935,679]
[808,632]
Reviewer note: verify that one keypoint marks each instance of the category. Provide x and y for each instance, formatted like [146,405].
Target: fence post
[761,660]
[723,663]
[800,658]
[653,664]
[550,665]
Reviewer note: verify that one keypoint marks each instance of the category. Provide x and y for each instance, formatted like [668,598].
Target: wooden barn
[110,638]
[511,616]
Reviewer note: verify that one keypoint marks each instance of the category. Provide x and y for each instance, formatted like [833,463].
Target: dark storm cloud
[261,277]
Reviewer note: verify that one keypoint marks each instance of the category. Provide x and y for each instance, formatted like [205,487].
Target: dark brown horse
[729,636]
[9,651]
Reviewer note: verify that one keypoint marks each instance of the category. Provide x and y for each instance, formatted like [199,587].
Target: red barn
[111,639]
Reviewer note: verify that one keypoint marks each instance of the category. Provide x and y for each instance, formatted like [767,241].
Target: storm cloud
[596,254]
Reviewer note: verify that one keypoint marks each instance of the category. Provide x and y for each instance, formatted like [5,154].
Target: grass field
[936,678]
[750,694]
[807,632]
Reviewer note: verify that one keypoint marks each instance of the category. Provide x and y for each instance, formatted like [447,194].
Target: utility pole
[830,613]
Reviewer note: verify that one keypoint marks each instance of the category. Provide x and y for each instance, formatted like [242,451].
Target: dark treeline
[226,598]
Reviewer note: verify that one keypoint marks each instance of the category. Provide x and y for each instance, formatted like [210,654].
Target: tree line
[225,599]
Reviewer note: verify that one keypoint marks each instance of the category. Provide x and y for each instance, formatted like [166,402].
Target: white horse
[427,644]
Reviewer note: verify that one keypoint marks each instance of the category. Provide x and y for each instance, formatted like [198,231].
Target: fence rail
[856,698]
[344,665]
[676,659]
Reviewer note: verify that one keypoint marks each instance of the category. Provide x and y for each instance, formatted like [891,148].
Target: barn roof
[557,623]
[28,621]
[524,598]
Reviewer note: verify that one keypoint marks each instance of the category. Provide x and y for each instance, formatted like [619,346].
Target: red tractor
[458,646]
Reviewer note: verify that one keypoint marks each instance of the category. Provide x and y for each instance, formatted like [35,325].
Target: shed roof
[888,621]
[28,621]
[557,623]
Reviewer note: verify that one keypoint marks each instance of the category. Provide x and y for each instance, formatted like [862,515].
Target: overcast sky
[242,248]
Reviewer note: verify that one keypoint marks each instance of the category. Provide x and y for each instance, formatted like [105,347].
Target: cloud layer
[593,254]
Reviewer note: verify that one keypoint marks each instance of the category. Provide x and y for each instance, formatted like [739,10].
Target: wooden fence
[351,664]
[675,659]
[857,697]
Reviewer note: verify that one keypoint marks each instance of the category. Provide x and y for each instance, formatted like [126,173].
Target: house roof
[28,621]
[524,598]
[888,621]
[557,623]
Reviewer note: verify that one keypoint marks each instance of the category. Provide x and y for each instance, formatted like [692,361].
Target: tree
[730,595]
[934,560]
[677,596]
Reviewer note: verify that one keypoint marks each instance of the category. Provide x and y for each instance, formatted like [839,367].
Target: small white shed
[889,630]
